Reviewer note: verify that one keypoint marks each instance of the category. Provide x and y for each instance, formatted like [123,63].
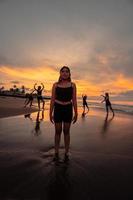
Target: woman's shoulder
[55,84]
[73,84]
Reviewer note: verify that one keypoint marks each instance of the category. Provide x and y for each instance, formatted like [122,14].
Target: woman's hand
[75,118]
[51,118]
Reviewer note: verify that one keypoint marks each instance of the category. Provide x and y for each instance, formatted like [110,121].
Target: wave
[117,107]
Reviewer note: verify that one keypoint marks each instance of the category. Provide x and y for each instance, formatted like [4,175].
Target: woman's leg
[83,108]
[87,106]
[43,103]
[66,130]
[38,103]
[31,102]
[107,110]
[27,103]
[112,110]
[58,130]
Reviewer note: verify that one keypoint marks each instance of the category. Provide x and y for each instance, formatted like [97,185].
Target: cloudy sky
[93,37]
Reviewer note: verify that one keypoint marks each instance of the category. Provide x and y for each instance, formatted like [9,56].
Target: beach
[101,155]
[12,106]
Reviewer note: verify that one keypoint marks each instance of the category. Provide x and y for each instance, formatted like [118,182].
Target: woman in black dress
[63,102]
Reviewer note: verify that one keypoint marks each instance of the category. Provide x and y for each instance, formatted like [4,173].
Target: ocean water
[118,106]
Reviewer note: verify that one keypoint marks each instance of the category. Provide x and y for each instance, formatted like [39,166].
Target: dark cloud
[27,63]
[118,60]
[3,1]
[130,1]
[124,96]
[128,93]
[93,71]
[4,60]
[15,82]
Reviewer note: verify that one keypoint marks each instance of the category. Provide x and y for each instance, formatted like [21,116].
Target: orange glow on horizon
[39,73]
[48,75]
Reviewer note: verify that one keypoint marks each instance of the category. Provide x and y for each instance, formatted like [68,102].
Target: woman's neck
[64,83]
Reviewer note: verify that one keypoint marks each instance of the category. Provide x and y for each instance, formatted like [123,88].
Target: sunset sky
[93,37]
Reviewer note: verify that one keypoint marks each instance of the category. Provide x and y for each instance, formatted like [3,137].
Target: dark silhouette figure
[85,104]
[107,103]
[29,99]
[28,116]
[39,90]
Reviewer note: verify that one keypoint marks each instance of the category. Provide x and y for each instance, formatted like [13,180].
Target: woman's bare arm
[52,102]
[42,86]
[103,99]
[35,86]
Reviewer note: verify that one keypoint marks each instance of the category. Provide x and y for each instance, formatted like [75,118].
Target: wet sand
[100,166]
[12,106]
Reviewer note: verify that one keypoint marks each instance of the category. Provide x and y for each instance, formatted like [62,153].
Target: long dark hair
[69,78]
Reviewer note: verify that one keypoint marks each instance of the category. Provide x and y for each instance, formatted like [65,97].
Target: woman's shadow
[59,182]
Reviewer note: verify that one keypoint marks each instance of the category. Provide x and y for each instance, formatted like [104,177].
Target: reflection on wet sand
[84,114]
[106,124]
[39,118]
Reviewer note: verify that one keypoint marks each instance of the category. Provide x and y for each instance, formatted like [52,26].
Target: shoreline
[19,95]
[13,106]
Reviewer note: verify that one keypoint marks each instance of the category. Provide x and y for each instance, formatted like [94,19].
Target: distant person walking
[40,99]
[63,102]
[85,104]
[107,103]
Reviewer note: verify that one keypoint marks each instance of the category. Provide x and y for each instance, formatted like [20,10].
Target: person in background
[85,104]
[107,103]
[40,99]
[29,99]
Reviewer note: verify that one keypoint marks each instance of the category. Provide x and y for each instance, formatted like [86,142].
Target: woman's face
[65,74]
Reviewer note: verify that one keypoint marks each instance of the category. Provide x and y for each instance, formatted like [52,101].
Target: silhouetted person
[107,103]
[85,105]
[39,90]
[29,99]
